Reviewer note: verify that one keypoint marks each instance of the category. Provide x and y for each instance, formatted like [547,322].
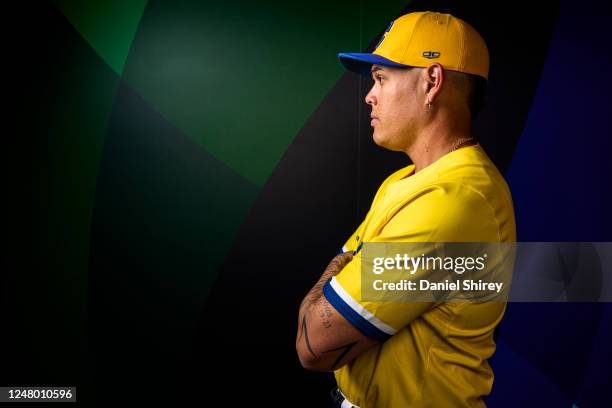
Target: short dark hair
[474,88]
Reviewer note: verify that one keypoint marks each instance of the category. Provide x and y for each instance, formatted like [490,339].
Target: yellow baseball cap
[422,38]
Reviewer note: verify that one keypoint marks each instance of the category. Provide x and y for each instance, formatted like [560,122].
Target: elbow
[313,364]
[310,361]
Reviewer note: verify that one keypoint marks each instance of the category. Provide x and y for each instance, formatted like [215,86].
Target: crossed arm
[325,339]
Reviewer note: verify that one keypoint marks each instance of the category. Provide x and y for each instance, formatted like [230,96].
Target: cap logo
[431,54]
[385,34]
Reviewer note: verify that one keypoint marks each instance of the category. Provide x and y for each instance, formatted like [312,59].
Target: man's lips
[374,119]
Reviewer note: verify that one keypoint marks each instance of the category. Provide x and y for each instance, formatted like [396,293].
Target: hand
[338,263]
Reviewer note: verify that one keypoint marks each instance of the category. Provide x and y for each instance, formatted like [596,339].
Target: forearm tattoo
[334,267]
[345,350]
[305,332]
[325,311]
[326,315]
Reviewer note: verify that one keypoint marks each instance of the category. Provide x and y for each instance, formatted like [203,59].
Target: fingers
[344,258]
[338,262]
[347,256]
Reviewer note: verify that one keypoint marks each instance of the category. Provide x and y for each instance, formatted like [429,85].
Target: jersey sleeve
[442,213]
[352,244]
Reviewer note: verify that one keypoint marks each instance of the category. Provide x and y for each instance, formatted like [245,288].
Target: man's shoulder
[473,169]
[393,177]
[398,174]
[464,198]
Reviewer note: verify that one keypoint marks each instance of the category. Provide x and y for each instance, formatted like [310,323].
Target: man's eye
[379,78]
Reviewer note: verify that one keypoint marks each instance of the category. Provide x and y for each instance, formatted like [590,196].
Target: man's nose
[370,98]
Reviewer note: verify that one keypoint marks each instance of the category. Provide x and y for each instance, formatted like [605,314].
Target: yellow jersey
[429,355]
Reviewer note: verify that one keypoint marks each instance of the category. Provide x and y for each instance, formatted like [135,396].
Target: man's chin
[384,143]
[379,140]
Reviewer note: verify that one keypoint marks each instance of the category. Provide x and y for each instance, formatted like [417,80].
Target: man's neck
[437,140]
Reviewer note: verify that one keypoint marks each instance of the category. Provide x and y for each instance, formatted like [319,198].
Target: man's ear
[434,78]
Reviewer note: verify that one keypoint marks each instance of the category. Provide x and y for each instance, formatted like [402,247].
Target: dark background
[180,173]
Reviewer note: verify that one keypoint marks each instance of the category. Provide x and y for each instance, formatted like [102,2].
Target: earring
[428,104]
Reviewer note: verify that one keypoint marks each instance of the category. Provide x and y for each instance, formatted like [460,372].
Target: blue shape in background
[559,180]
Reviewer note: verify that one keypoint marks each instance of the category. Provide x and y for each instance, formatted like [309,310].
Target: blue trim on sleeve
[358,249]
[360,323]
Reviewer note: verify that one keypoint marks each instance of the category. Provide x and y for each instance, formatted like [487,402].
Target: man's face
[396,110]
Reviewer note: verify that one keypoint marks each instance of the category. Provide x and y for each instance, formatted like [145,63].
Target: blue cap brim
[361,63]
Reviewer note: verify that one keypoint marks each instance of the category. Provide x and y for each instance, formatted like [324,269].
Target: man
[427,72]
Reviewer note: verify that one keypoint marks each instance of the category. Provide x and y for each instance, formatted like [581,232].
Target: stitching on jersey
[435,342]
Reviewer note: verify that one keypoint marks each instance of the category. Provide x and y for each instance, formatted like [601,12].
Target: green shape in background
[240,78]
[71,92]
[108,26]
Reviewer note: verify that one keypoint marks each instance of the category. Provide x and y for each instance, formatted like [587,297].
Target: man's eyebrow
[374,69]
